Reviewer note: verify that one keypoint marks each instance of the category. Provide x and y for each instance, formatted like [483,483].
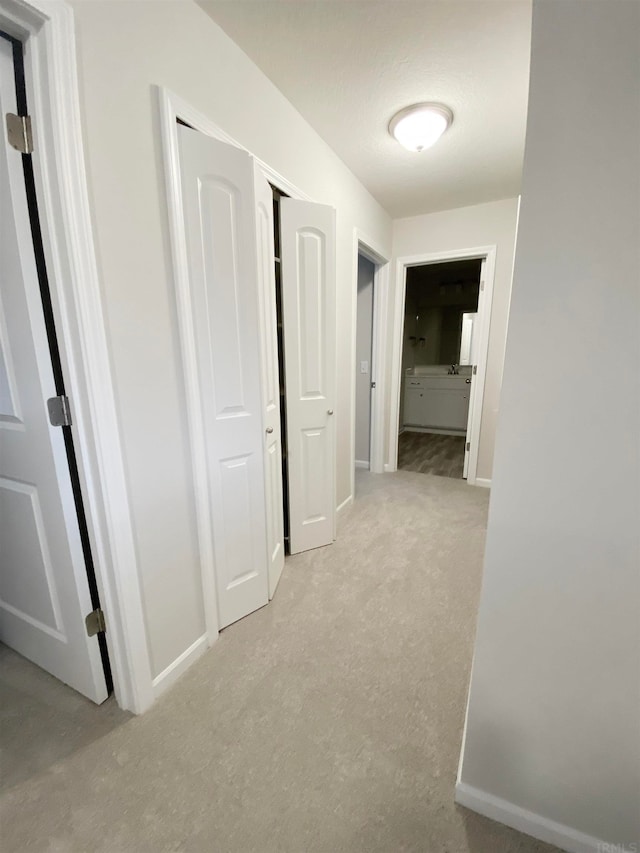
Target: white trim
[169,111]
[482,481]
[345,503]
[47,29]
[180,665]
[364,245]
[362,463]
[172,107]
[485,299]
[528,822]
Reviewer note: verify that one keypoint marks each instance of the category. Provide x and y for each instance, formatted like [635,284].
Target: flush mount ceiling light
[420,126]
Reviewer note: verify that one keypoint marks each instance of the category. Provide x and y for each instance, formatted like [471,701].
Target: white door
[270,379]
[44,592]
[309,311]
[472,384]
[219,204]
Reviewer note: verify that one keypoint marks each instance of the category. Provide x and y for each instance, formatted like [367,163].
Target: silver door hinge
[19,133]
[95,623]
[59,411]
[468,445]
[475,369]
[373,384]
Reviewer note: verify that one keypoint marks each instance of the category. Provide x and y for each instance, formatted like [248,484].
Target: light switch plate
[364,367]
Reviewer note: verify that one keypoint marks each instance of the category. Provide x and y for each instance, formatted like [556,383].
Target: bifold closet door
[307,234]
[218,192]
[270,379]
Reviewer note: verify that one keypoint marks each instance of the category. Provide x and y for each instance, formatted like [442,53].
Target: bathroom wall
[429,336]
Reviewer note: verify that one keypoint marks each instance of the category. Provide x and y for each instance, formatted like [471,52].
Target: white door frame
[485,299]
[363,245]
[172,107]
[46,28]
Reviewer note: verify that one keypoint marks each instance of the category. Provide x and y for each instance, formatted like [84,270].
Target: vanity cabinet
[437,402]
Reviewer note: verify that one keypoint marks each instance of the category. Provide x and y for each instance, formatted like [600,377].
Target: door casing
[48,33]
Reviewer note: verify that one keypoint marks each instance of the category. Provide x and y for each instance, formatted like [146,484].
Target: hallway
[329,721]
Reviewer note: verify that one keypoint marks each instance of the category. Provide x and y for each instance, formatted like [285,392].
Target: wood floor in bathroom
[442,455]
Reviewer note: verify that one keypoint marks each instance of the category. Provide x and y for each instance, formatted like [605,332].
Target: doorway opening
[364,381]
[439,345]
[369,356]
[441,340]
[49,580]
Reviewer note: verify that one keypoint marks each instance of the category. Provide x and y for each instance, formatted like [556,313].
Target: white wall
[125,48]
[465,228]
[553,719]
[364,332]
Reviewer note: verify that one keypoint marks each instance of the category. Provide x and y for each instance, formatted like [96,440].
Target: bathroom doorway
[440,318]
[441,335]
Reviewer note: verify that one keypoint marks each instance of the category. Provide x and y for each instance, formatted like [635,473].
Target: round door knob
[329,411]
[269,430]
[468,381]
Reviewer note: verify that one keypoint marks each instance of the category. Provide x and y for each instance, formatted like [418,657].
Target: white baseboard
[389,469]
[345,503]
[481,481]
[525,821]
[179,666]
[362,463]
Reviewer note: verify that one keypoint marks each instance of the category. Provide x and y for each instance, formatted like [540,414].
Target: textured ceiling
[349,65]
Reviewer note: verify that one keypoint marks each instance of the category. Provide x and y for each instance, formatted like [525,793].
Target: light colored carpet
[329,721]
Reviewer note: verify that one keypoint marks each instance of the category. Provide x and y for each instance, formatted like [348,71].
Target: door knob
[468,381]
[269,430]
[329,411]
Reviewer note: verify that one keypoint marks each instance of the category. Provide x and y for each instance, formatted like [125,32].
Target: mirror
[441,313]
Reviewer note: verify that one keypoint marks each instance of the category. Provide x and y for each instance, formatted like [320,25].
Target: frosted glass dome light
[420,126]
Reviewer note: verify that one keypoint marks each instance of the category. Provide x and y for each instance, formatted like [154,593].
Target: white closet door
[220,218]
[270,379]
[472,388]
[44,592]
[308,295]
